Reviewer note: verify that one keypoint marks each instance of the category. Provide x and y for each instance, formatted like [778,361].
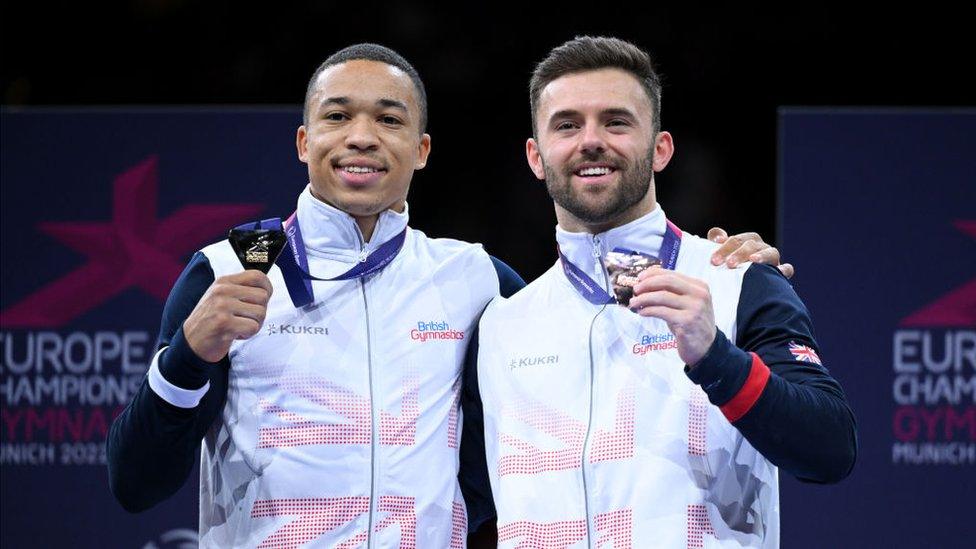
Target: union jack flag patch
[804,353]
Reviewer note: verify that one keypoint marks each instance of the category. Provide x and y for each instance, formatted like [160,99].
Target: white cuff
[177,396]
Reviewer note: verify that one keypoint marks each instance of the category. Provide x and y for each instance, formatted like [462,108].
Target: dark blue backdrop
[878,210]
[95,201]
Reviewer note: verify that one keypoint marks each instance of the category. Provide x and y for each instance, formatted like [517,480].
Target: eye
[565,125]
[335,116]
[390,120]
[618,122]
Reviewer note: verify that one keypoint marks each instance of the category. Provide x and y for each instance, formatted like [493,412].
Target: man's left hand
[684,303]
[744,247]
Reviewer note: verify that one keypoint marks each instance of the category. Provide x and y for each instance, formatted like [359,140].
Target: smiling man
[328,409]
[323,421]
[661,423]
[363,136]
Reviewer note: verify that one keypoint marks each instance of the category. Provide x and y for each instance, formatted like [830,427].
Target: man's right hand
[233,308]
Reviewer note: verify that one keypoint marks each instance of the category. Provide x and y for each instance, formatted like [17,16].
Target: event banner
[878,212]
[101,211]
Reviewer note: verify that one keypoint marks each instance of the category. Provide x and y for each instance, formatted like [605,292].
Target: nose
[592,141]
[362,135]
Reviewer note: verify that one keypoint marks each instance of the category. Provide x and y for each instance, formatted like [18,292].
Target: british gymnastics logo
[654,342]
[433,330]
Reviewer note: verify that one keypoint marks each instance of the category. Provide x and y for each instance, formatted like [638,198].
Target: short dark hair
[371,52]
[587,53]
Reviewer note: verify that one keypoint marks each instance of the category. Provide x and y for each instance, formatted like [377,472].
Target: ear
[423,151]
[663,150]
[534,156]
[301,144]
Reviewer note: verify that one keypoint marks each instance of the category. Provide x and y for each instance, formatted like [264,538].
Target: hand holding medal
[234,306]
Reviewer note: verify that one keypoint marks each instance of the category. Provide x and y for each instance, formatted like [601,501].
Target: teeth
[359,169]
[594,171]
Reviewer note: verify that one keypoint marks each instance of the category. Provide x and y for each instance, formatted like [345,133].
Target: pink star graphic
[956,308]
[134,249]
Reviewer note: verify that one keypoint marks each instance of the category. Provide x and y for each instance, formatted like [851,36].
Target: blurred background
[726,69]
[781,117]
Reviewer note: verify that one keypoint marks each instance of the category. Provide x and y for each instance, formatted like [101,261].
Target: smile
[594,171]
[360,173]
[359,169]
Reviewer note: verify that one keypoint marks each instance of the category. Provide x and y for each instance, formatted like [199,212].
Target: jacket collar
[644,234]
[329,231]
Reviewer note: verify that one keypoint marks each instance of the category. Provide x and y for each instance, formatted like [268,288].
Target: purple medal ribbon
[294,262]
[590,290]
[594,293]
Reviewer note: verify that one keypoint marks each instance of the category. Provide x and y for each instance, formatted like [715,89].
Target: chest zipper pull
[597,256]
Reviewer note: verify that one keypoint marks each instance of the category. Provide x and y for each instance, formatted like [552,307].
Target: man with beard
[328,408]
[660,421]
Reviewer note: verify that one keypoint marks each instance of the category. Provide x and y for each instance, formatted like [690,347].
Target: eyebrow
[385,103]
[616,111]
[619,111]
[392,103]
[334,101]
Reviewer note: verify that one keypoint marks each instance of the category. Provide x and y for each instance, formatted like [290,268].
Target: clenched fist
[233,307]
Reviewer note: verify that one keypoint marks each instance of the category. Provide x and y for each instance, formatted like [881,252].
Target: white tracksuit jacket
[341,422]
[596,436]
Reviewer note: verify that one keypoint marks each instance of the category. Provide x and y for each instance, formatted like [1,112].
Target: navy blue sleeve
[509,281]
[774,389]
[473,476]
[152,445]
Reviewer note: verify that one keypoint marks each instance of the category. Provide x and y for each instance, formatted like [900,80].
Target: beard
[602,207]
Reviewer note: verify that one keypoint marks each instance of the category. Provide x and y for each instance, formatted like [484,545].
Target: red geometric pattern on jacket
[613,527]
[607,445]
[394,430]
